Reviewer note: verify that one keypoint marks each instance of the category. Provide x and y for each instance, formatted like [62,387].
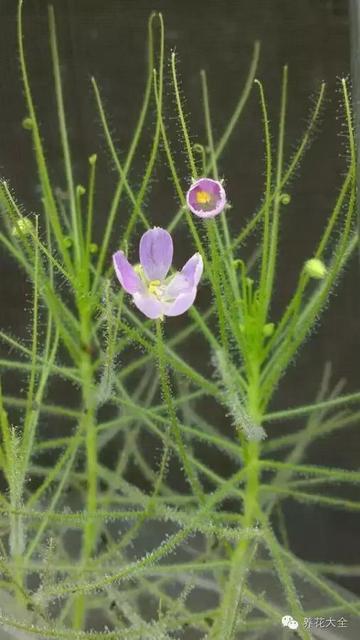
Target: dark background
[107,38]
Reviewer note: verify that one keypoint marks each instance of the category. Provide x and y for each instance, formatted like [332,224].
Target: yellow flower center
[203,197]
[153,287]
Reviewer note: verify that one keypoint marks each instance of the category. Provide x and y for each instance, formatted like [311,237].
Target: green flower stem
[264,292]
[214,167]
[26,256]
[176,361]
[90,208]
[216,278]
[123,171]
[193,522]
[228,262]
[175,176]
[89,424]
[167,395]
[274,235]
[123,182]
[156,138]
[225,625]
[233,121]
[21,447]
[294,304]
[284,574]
[182,120]
[75,219]
[48,195]
[241,102]
[307,409]
[289,172]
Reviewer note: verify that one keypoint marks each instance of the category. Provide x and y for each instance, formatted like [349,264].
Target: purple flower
[206,198]
[153,293]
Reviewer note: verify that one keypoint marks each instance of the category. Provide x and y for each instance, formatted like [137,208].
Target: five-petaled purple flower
[206,198]
[153,293]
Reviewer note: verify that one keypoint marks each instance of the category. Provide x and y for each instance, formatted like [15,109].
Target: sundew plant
[181,531]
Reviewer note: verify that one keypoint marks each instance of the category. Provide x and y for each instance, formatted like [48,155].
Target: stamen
[203,197]
[153,287]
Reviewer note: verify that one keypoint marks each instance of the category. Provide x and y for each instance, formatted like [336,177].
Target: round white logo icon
[288,621]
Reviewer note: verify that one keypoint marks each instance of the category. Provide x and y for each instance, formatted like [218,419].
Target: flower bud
[268,329]
[285,198]
[315,268]
[27,123]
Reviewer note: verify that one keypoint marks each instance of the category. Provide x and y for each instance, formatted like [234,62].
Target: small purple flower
[153,293]
[206,198]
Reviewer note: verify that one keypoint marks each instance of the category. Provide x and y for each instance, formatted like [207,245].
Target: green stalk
[274,236]
[211,145]
[266,243]
[175,428]
[16,487]
[21,448]
[309,408]
[49,200]
[89,426]
[156,140]
[233,121]
[216,280]
[225,625]
[289,172]
[228,255]
[187,141]
[123,182]
[90,209]
[75,220]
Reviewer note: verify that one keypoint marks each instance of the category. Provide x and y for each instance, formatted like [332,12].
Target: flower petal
[193,268]
[126,274]
[156,253]
[182,303]
[186,279]
[206,198]
[180,293]
[149,305]
[177,285]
